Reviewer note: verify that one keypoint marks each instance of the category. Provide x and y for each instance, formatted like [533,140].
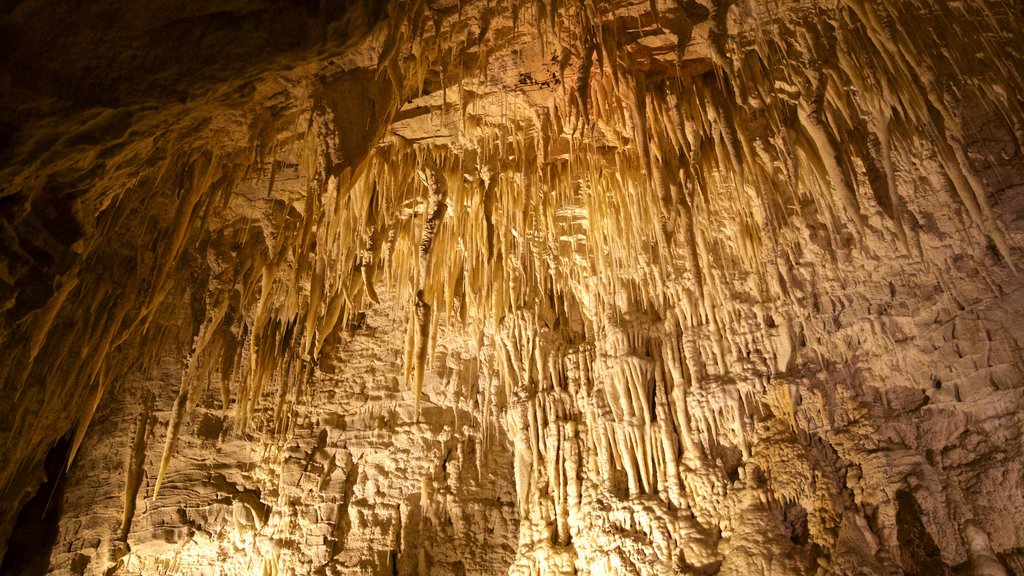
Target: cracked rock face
[603,287]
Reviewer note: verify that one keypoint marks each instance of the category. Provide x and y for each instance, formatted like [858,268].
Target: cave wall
[716,287]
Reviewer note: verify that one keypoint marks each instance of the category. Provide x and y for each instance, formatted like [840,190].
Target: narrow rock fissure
[36,529]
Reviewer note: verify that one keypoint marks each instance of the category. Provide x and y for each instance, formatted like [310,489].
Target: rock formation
[529,287]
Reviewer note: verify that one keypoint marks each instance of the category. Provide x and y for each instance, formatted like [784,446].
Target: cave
[525,287]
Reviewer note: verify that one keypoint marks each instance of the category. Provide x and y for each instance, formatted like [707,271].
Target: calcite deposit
[512,287]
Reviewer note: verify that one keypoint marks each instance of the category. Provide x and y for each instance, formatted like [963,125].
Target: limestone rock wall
[358,486]
[608,287]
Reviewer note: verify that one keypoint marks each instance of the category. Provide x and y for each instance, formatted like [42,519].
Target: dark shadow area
[35,533]
[918,552]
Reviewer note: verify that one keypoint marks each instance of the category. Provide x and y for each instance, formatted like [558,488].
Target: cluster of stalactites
[625,194]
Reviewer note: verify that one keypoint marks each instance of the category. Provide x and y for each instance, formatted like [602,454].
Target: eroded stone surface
[538,288]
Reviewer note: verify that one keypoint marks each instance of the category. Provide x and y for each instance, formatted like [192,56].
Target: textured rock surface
[700,287]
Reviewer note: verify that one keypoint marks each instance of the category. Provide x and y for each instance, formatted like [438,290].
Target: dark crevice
[918,552]
[35,532]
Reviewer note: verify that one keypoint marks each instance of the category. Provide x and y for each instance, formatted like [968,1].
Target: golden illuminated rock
[540,288]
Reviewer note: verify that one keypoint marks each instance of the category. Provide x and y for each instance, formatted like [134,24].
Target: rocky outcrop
[715,287]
